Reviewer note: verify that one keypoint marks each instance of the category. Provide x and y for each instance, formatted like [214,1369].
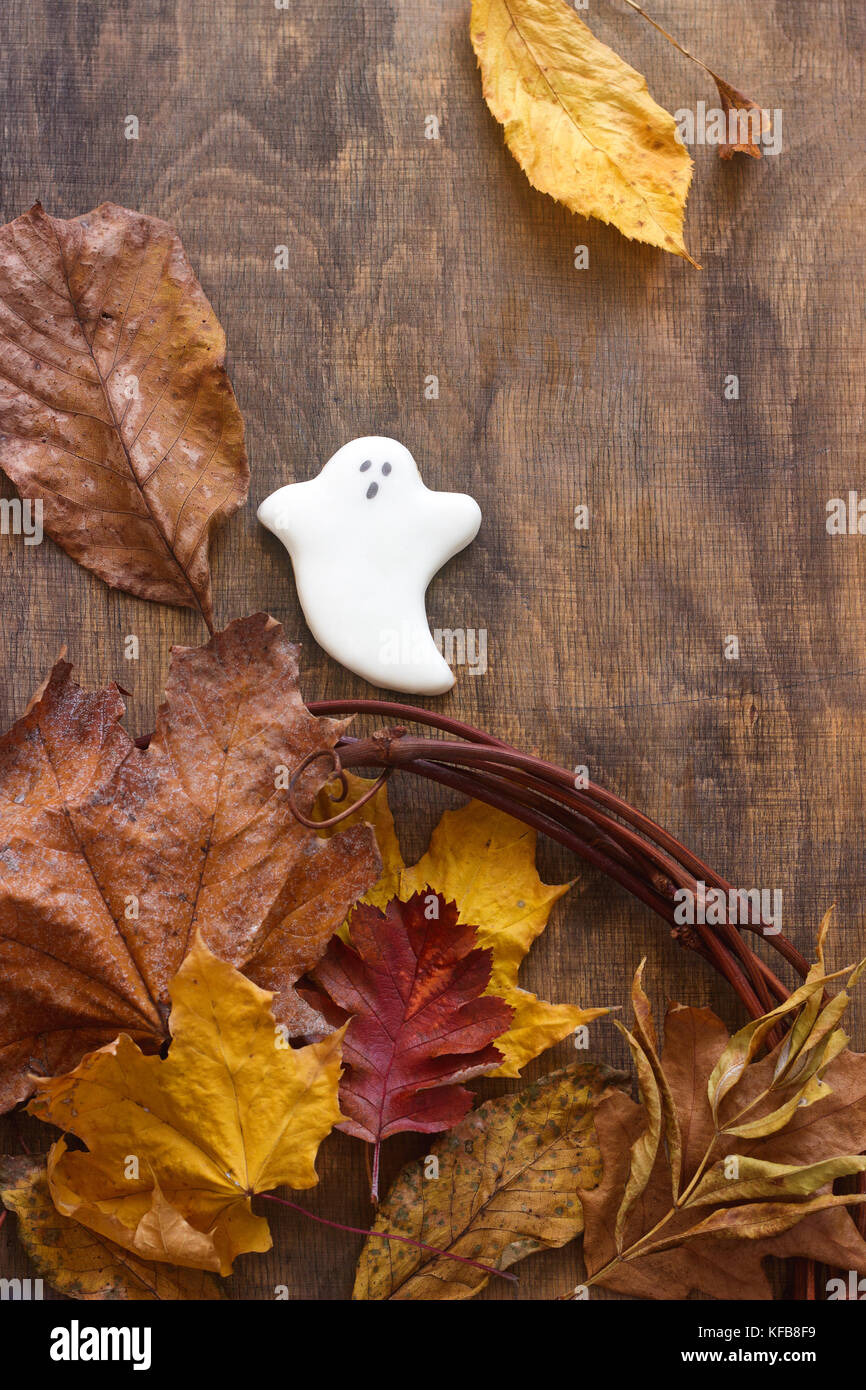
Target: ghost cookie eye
[386,469]
[368,463]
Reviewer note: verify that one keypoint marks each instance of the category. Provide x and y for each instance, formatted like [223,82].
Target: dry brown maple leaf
[825,1123]
[111,856]
[115,407]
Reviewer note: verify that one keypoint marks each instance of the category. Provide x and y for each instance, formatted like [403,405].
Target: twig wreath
[596,825]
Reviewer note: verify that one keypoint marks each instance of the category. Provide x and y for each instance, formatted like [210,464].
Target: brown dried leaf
[837,1124]
[777,1119]
[693,1252]
[745,1044]
[759,1178]
[644,1150]
[694,1039]
[752,120]
[111,856]
[115,406]
[749,125]
[645,1032]
[805,1020]
[710,1264]
[763,1220]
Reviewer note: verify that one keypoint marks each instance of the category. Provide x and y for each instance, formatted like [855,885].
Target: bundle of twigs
[598,826]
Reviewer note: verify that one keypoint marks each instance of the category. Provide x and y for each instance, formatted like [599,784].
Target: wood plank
[305,127]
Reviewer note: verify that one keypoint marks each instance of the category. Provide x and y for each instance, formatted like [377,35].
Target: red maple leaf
[412,981]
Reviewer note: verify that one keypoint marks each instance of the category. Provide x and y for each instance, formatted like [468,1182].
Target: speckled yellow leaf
[580,122]
[510,1179]
[78,1262]
[232,1110]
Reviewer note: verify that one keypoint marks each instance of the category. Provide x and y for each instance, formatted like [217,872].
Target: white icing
[366,537]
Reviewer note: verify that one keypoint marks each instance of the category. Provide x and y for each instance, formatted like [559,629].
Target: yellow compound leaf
[178,1146]
[580,122]
[485,862]
[646,1146]
[765,1166]
[78,1262]
[762,1220]
[758,1178]
[743,1046]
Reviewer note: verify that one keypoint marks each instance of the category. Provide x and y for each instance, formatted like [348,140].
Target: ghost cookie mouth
[373,488]
[357,582]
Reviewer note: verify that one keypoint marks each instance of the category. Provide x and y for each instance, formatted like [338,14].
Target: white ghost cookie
[366,537]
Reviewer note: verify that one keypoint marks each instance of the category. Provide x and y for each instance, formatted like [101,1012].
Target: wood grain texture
[305,128]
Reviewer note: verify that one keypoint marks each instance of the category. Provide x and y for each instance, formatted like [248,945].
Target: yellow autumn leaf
[484,861]
[177,1147]
[377,813]
[580,122]
[80,1263]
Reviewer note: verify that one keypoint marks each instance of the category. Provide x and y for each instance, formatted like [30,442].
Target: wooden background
[305,127]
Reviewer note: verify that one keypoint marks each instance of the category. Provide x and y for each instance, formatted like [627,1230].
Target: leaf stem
[387,1235]
[636,1250]
[374,1179]
[670,38]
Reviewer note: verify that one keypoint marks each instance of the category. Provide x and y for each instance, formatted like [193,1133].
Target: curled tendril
[337,774]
